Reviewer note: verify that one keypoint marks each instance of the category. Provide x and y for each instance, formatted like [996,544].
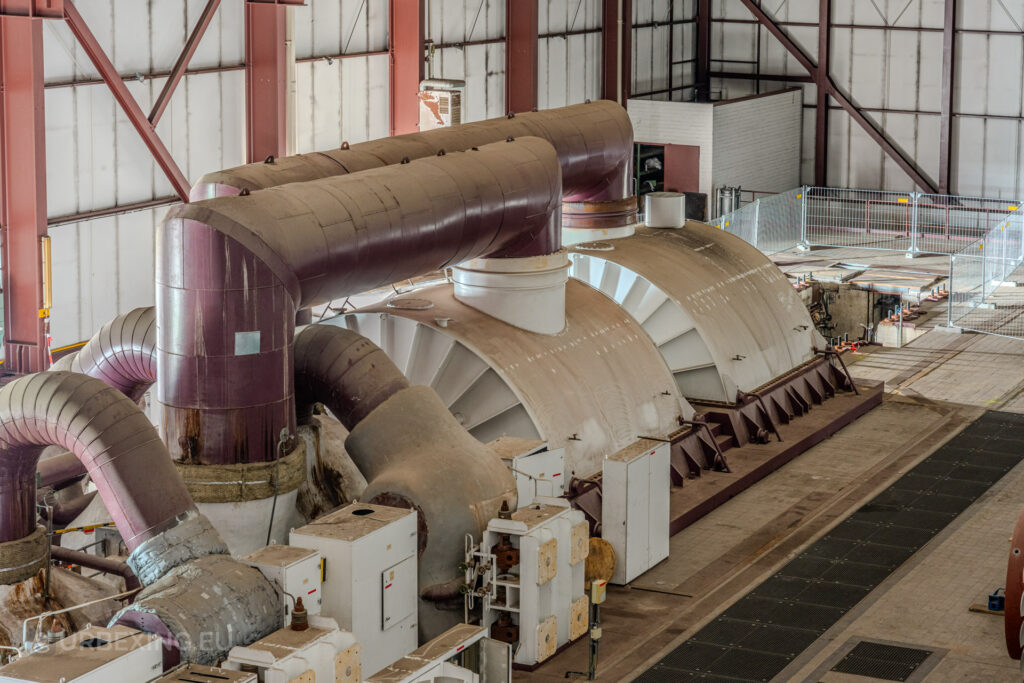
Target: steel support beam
[124,98]
[824,75]
[22,188]
[405,47]
[617,45]
[841,98]
[266,80]
[703,72]
[183,59]
[948,89]
[521,28]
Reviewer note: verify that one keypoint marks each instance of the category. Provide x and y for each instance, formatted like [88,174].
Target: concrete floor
[936,386]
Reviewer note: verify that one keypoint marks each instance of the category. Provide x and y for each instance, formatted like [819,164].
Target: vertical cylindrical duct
[232,271]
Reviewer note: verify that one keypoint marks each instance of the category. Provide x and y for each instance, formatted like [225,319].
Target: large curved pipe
[594,143]
[232,271]
[410,447]
[106,430]
[122,353]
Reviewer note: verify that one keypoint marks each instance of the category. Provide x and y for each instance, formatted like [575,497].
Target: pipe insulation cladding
[232,271]
[593,140]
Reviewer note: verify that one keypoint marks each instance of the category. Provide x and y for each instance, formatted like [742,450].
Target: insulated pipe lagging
[412,451]
[232,271]
[122,353]
[594,143]
[120,448]
[343,370]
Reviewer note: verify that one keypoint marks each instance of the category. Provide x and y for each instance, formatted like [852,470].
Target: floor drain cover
[887,662]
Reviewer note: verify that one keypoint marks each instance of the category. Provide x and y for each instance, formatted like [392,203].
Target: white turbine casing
[590,389]
[528,293]
[571,236]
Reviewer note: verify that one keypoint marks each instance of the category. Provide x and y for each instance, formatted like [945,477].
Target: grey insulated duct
[122,353]
[412,451]
[147,500]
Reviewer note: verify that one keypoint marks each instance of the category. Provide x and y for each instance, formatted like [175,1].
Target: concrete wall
[677,123]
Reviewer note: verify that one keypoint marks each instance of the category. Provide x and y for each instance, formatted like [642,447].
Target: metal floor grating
[760,634]
[887,662]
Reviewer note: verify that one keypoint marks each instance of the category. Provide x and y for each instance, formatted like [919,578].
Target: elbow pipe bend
[122,354]
[232,271]
[593,141]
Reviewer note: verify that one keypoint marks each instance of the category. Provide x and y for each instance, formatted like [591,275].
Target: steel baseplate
[730,446]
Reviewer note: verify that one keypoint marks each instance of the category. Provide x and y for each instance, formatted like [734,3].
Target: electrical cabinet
[369,577]
[538,471]
[530,570]
[93,655]
[635,507]
[321,652]
[462,654]
[295,572]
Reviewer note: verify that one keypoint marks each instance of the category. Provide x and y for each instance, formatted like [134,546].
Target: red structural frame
[23,185]
[521,28]
[405,49]
[617,44]
[266,78]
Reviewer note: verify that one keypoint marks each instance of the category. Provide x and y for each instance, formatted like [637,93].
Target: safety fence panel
[947,224]
[771,223]
[859,219]
[986,280]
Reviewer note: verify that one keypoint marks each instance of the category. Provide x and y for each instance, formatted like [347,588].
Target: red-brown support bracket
[840,97]
[824,75]
[124,98]
[703,68]
[521,55]
[948,89]
[405,49]
[617,44]
[22,186]
[183,59]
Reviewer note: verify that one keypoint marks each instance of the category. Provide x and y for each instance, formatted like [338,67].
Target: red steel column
[266,80]
[823,77]
[521,17]
[22,191]
[405,46]
[617,43]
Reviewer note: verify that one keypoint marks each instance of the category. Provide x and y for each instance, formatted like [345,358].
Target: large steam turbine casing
[592,389]
[723,316]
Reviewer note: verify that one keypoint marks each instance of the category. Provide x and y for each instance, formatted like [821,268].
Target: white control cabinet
[322,652]
[634,507]
[543,594]
[93,655]
[293,570]
[370,577]
[537,470]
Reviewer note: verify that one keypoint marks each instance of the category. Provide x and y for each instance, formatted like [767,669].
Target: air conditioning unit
[440,103]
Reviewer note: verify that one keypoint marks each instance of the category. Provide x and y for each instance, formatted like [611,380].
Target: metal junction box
[196,673]
[295,571]
[369,577]
[534,571]
[634,507]
[93,655]
[538,471]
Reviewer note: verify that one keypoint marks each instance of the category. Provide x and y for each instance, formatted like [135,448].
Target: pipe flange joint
[191,538]
[23,558]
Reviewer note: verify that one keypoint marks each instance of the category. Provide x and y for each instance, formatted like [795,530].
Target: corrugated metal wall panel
[569,67]
[901,70]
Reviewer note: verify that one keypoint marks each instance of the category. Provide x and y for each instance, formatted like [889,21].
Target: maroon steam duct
[594,143]
[232,271]
[106,430]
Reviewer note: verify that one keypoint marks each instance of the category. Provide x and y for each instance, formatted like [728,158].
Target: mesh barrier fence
[983,237]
